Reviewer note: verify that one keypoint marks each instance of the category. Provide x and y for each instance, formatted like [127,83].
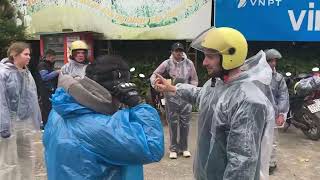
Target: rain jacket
[178,111]
[74,68]
[235,126]
[280,94]
[48,75]
[20,115]
[81,143]
[18,94]
[307,85]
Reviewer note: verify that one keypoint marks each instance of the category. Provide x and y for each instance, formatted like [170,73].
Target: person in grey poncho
[20,115]
[78,60]
[281,100]
[178,68]
[236,119]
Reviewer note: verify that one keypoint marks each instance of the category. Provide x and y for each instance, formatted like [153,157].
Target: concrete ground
[299,159]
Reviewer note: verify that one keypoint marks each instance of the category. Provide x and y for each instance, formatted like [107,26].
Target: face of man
[80,55]
[213,65]
[50,58]
[272,63]
[177,54]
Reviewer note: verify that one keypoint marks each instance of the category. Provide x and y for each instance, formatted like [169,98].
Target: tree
[9,30]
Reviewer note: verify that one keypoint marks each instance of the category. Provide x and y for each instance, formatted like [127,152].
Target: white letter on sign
[296,24]
[270,2]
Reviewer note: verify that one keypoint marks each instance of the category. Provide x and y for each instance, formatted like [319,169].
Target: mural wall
[119,19]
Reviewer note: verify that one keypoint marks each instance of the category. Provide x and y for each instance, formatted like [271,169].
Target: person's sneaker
[186,154]
[173,155]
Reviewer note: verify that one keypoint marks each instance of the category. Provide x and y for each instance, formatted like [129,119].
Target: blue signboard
[271,20]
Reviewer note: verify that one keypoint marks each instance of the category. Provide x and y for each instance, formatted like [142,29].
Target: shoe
[271,169]
[173,155]
[186,154]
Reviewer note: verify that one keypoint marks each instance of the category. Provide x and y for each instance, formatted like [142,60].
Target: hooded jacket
[81,143]
[235,124]
[18,96]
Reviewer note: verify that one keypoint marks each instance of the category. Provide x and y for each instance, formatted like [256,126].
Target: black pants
[45,104]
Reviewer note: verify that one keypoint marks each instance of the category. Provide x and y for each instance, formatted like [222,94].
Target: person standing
[281,100]
[89,137]
[234,113]
[20,116]
[178,112]
[49,77]
[78,59]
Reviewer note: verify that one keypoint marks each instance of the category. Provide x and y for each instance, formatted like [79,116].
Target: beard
[217,73]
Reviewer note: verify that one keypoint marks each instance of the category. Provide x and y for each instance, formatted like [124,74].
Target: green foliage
[298,64]
[143,84]
[298,57]
[9,31]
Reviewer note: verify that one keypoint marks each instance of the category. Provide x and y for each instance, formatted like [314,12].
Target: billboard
[271,20]
[119,19]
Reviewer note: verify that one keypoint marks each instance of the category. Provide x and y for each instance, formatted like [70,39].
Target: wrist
[172,88]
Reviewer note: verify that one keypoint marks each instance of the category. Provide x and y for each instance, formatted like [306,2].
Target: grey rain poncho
[74,68]
[307,85]
[178,111]
[235,127]
[21,116]
[280,93]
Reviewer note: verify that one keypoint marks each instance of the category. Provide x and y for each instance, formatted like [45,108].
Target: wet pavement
[298,159]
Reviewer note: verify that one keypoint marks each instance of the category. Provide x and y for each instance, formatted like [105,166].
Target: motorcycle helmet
[78,45]
[227,42]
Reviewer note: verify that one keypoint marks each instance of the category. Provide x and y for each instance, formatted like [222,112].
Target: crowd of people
[97,126]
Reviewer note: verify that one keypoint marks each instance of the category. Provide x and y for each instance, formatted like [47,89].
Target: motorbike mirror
[315,69]
[132,69]
[288,74]
[142,75]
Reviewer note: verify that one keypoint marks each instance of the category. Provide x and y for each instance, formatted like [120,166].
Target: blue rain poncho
[235,127]
[83,144]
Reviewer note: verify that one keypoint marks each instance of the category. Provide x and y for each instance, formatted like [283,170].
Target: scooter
[304,112]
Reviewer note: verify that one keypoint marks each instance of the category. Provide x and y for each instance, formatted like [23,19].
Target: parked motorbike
[304,110]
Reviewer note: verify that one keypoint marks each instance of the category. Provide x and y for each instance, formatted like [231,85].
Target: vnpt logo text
[261,3]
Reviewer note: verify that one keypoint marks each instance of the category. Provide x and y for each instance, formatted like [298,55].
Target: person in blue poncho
[88,137]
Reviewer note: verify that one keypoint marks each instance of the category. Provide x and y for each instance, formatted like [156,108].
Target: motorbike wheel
[313,132]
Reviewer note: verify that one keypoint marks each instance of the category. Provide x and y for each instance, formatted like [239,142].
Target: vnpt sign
[311,15]
[274,20]
[243,3]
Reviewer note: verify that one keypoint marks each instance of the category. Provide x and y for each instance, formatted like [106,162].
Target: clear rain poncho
[307,85]
[178,111]
[235,127]
[280,93]
[21,116]
[74,68]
